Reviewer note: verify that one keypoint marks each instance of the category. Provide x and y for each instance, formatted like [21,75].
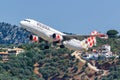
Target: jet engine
[34,38]
[57,37]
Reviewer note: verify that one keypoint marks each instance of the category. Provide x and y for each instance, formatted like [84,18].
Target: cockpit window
[27,20]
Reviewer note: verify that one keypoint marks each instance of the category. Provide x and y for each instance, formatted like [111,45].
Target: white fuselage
[75,44]
[39,29]
[46,32]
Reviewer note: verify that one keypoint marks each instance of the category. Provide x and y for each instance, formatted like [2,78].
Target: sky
[73,16]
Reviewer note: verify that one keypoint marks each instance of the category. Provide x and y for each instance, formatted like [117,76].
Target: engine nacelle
[57,37]
[34,38]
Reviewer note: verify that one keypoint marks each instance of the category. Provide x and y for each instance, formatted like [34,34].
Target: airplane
[50,35]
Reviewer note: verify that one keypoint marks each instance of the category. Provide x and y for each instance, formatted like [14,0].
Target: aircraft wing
[68,37]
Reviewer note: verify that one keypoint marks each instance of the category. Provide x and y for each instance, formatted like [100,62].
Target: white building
[106,48]
[105,51]
[90,56]
[15,51]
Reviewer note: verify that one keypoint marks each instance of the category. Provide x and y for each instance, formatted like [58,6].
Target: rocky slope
[12,34]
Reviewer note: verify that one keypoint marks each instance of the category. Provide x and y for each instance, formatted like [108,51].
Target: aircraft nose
[21,22]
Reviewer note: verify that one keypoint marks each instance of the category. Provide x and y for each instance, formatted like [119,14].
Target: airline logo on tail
[92,40]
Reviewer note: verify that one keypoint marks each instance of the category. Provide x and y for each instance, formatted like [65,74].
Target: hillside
[37,63]
[54,64]
[12,34]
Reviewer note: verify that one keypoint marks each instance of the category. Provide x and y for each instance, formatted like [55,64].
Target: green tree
[112,33]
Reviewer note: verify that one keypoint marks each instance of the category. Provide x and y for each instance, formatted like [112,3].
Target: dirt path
[78,56]
[36,69]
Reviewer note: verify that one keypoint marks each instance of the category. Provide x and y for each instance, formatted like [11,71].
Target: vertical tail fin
[92,39]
